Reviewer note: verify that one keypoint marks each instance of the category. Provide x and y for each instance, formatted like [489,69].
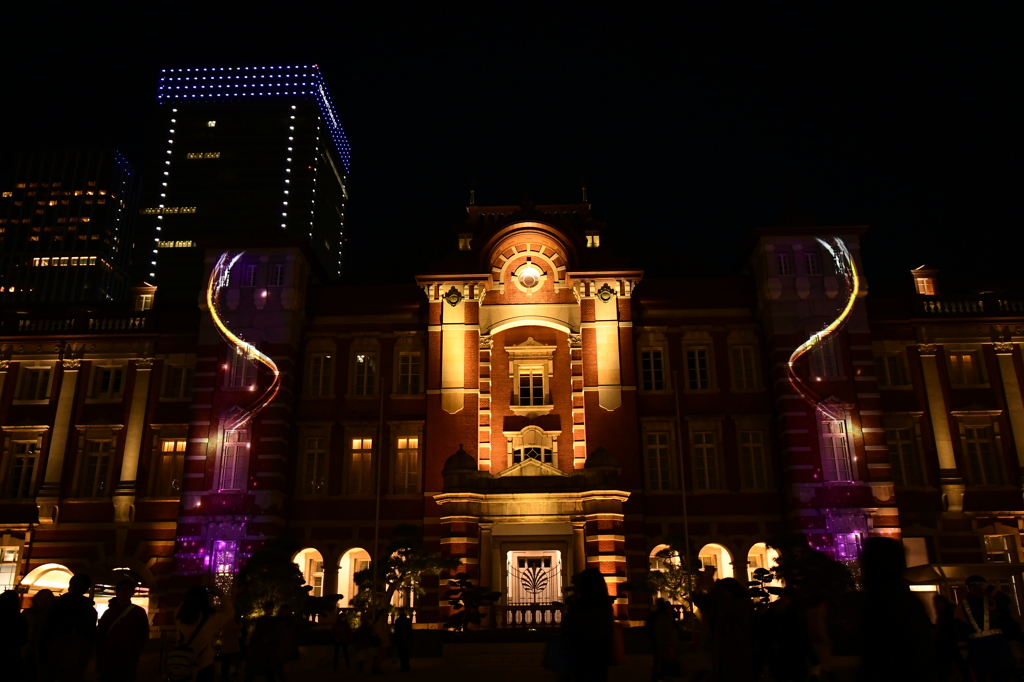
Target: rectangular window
[705,461]
[360,470]
[836,455]
[321,373]
[24,455]
[409,373]
[143,302]
[234,460]
[35,384]
[823,359]
[963,368]
[1000,549]
[697,374]
[8,567]
[170,467]
[178,383]
[906,469]
[314,472]
[980,455]
[890,370]
[531,386]
[743,374]
[243,372]
[813,267]
[925,286]
[752,460]
[366,374]
[658,460]
[249,278]
[652,369]
[407,466]
[107,383]
[277,275]
[93,479]
[785,267]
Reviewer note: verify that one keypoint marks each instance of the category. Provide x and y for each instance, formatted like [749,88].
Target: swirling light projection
[847,268]
[218,280]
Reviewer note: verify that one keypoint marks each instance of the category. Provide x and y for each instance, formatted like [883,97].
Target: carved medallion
[453,297]
[605,293]
[927,348]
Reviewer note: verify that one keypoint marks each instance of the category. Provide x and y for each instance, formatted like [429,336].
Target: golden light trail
[218,280]
[846,266]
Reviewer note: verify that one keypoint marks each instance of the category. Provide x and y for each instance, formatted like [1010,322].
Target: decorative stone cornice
[485,342]
[71,363]
[927,348]
[575,340]
[1004,347]
[144,363]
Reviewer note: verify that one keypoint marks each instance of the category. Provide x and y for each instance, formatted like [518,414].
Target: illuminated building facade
[246,153]
[66,227]
[537,407]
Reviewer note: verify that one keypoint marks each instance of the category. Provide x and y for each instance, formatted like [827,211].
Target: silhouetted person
[980,617]
[665,643]
[70,631]
[403,639]
[38,667]
[264,652]
[121,636]
[286,637]
[13,634]
[725,611]
[230,647]
[948,658]
[342,633]
[197,620]
[382,631]
[896,630]
[788,647]
[588,627]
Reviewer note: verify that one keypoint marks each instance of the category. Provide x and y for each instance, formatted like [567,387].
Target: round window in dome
[529,276]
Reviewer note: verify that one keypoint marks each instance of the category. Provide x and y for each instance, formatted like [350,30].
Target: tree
[467,600]
[671,579]
[406,562]
[270,574]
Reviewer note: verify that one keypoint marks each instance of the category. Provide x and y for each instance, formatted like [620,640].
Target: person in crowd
[199,621]
[264,651]
[69,635]
[341,631]
[230,647]
[788,647]
[896,631]
[947,655]
[287,638]
[588,626]
[725,612]
[36,615]
[13,633]
[980,619]
[366,644]
[382,631]
[121,635]
[403,639]
[665,643]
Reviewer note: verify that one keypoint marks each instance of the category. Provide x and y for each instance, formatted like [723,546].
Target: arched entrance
[717,556]
[311,564]
[53,577]
[354,560]
[761,556]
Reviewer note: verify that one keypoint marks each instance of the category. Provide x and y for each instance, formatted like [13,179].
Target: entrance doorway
[534,577]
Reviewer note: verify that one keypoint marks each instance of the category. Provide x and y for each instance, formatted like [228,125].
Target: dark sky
[689,128]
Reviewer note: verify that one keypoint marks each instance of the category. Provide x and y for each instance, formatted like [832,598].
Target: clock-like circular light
[529,277]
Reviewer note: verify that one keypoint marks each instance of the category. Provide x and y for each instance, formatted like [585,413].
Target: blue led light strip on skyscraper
[226,83]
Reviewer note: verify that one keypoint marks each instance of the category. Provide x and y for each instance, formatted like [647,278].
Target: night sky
[689,129]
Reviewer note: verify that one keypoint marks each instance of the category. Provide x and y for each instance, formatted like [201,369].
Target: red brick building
[534,405]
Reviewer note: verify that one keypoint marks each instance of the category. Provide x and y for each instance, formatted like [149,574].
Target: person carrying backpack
[198,623]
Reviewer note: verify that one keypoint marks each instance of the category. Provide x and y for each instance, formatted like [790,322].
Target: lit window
[836,455]
[277,275]
[785,267]
[593,240]
[178,382]
[697,373]
[964,369]
[407,466]
[743,375]
[906,469]
[170,467]
[107,382]
[93,481]
[8,567]
[234,461]
[465,242]
[652,369]
[143,302]
[811,261]
[823,359]
[314,472]
[35,384]
[320,375]
[890,370]
[1001,549]
[211,124]
[753,469]
[409,373]
[925,286]
[360,470]
[243,372]
[8,194]
[847,546]
[658,475]
[24,457]
[366,374]
[249,278]
[980,456]
[705,461]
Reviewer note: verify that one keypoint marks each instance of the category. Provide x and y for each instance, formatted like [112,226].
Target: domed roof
[600,458]
[460,461]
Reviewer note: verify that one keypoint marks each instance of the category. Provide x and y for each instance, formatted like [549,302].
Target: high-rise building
[253,153]
[66,227]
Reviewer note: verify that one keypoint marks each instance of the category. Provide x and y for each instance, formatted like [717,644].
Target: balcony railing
[530,616]
[981,304]
[83,323]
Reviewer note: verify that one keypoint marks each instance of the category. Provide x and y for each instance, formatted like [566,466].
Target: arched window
[311,563]
[718,557]
[533,444]
[353,561]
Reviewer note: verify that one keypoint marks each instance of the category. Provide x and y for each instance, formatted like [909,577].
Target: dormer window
[925,282]
[925,286]
[465,242]
[593,239]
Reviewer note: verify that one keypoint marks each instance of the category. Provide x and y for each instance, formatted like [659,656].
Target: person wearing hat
[980,618]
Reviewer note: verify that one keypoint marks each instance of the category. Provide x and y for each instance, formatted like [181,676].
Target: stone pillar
[606,315]
[605,541]
[331,577]
[460,538]
[453,351]
[486,577]
[49,492]
[127,488]
[1014,400]
[949,476]
[579,547]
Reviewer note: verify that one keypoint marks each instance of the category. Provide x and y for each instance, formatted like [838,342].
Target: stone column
[1014,400]
[606,314]
[127,488]
[331,577]
[49,492]
[952,484]
[486,578]
[453,351]
[579,547]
